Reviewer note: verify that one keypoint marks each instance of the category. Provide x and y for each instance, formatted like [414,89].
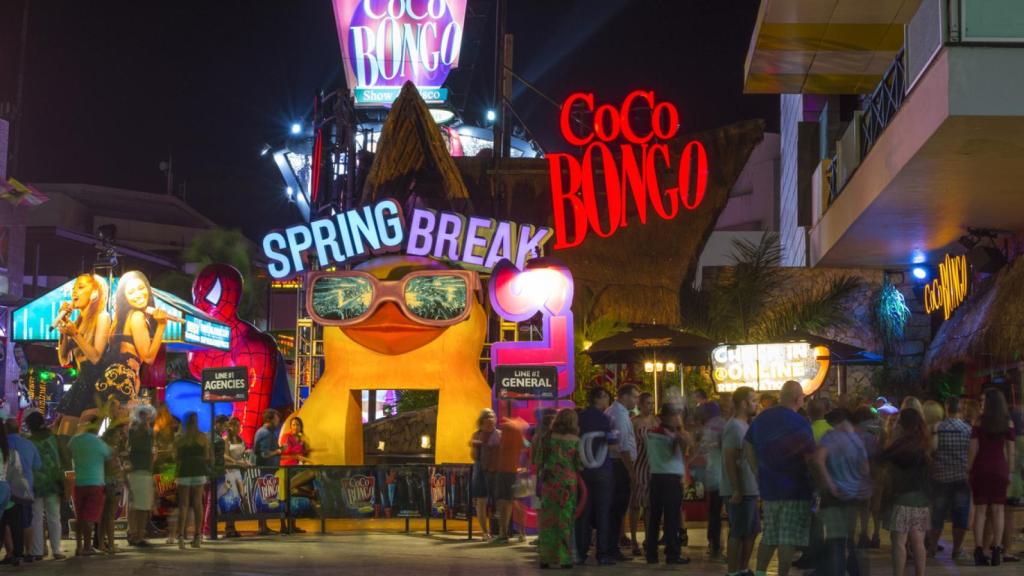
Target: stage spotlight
[296,128]
[492,115]
[919,273]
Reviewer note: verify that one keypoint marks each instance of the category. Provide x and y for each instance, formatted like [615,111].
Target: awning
[196,331]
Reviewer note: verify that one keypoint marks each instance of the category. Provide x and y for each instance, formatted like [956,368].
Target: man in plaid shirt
[951,493]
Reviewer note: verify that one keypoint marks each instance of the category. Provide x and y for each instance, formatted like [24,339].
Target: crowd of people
[815,482]
[113,457]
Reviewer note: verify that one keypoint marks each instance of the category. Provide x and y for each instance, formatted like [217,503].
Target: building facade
[900,137]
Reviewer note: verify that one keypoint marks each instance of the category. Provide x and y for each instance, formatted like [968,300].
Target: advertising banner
[249,492]
[449,491]
[347,492]
[526,382]
[403,491]
[386,43]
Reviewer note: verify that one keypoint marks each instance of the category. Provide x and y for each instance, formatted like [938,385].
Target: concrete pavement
[395,555]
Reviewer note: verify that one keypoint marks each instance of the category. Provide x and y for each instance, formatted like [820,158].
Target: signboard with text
[386,43]
[766,367]
[526,382]
[623,150]
[357,234]
[229,384]
[949,290]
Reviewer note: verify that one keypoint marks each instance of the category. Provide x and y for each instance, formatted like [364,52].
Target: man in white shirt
[623,455]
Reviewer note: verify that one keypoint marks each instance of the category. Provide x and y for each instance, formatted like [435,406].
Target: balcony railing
[877,112]
[883,104]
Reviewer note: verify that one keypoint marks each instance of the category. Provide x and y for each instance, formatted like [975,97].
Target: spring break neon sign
[643,154]
[354,235]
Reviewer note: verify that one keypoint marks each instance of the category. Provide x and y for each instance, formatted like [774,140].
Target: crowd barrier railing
[417,491]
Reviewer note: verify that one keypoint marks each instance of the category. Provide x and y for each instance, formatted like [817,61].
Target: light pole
[654,367]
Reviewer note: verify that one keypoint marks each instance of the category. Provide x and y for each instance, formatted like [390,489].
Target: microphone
[150,310]
[62,316]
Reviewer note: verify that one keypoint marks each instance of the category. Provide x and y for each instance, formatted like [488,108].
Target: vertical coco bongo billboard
[385,43]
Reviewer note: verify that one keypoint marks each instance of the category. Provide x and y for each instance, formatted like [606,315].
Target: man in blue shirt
[595,437]
[31,462]
[268,451]
[780,444]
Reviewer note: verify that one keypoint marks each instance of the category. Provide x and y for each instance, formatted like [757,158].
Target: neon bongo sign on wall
[949,290]
[631,157]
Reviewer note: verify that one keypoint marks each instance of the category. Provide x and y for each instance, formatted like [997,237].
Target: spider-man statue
[217,291]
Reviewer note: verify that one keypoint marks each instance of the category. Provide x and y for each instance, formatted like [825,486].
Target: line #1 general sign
[226,384]
[526,382]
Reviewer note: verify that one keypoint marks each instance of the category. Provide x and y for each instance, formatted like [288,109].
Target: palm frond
[822,309]
[748,291]
[695,311]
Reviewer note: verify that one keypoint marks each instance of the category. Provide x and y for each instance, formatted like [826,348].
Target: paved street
[391,554]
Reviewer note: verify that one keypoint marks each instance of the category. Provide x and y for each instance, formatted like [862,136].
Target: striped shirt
[954,438]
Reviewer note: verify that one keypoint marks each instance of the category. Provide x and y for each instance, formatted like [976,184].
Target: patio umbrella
[642,343]
[840,353]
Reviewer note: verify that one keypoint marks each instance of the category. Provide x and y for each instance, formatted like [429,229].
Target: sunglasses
[429,297]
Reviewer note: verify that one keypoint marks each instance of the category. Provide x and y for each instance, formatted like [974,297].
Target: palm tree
[745,304]
[220,246]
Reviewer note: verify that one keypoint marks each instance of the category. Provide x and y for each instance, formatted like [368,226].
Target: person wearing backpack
[48,488]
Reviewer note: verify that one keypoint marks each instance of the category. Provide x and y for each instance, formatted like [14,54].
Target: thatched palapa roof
[635,274]
[988,326]
[411,154]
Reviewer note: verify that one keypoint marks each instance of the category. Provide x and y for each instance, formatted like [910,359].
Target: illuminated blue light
[296,128]
[919,272]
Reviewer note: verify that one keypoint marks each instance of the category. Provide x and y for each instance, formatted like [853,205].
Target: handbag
[20,489]
[524,486]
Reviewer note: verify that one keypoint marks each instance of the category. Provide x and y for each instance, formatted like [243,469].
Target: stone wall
[401,434]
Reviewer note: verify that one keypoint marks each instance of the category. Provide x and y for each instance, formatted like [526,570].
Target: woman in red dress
[989,460]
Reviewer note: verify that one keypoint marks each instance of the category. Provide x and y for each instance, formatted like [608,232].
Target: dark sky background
[113,87]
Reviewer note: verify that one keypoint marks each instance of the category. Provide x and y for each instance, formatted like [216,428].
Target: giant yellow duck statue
[396,323]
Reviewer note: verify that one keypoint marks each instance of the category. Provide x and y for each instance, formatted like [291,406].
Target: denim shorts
[744,518]
[951,498]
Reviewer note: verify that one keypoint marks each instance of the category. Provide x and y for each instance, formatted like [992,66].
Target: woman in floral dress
[560,462]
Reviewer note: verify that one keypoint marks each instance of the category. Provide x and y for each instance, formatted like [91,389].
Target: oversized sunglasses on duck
[429,297]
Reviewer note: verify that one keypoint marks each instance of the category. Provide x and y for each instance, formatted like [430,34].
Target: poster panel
[249,493]
[403,491]
[347,492]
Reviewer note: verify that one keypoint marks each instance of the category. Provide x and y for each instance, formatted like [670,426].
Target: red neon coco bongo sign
[633,175]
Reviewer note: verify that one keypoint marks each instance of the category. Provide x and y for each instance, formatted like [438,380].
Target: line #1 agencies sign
[526,382]
[226,384]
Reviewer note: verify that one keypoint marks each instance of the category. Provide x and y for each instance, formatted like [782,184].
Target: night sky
[114,87]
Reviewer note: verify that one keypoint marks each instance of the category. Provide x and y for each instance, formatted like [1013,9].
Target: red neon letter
[566,118]
[627,128]
[684,175]
[560,196]
[652,182]
[612,124]
[633,180]
[611,189]
[673,120]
